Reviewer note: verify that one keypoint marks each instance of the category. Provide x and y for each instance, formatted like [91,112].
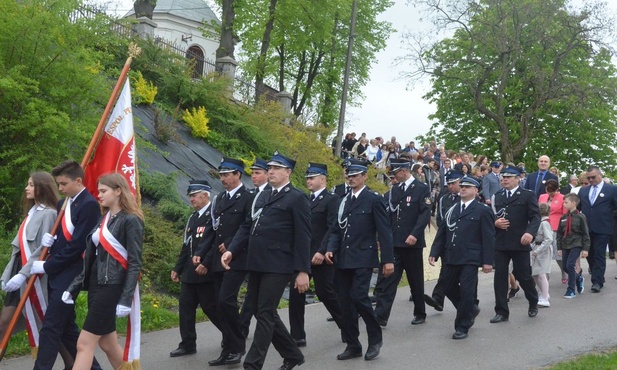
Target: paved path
[566,329]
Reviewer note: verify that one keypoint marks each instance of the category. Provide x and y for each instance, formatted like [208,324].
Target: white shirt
[357,194]
[316,194]
[201,211]
[231,192]
[466,204]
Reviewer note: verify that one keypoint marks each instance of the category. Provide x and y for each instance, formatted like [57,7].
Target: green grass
[596,361]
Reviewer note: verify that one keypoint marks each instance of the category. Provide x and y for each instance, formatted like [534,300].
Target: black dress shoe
[417,320]
[300,342]
[383,323]
[372,351]
[595,288]
[498,318]
[349,353]
[290,364]
[533,312]
[476,312]
[233,358]
[433,302]
[459,335]
[181,352]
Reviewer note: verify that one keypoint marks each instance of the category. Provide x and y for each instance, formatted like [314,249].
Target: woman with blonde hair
[112,264]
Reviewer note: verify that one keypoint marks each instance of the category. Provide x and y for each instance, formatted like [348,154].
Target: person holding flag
[111,270]
[40,202]
[64,262]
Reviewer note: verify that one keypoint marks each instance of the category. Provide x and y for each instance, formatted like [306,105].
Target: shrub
[197,121]
[145,91]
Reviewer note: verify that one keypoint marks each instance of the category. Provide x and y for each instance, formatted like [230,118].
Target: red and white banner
[115,151]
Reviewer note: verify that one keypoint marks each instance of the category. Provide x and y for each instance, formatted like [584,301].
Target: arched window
[195,54]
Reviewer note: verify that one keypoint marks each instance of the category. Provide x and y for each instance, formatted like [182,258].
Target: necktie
[403,187]
[274,192]
[592,197]
[228,195]
[509,194]
[257,190]
[312,197]
[463,208]
[539,180]
[347,188]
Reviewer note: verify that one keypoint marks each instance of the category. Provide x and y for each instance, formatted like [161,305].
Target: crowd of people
[491,217]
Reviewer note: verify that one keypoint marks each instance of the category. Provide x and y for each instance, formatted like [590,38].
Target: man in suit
[323,218]
[277,241]
[536,180]
[231,208]
[444,167]
[64,263]
[464,161]
[518,220]
[410,213]
[353,246]
[446,201]
[467,239]
[598,203]
[197,283]
[572,183]
[342,189]
[491,182]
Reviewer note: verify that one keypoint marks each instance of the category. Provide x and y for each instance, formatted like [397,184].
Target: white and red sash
[67,222]
[35,304]
[120,254]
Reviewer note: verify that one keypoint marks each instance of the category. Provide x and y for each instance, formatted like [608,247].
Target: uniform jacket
[471,238]
[65,258]
[228,215]
[532,178]
[128,229]
[599,213]
[445,202]
[579,236]
[411,214]
[323,217]
[198,237]
[354,237]
[524,215]
[277,240]
[490,185]
[341,190]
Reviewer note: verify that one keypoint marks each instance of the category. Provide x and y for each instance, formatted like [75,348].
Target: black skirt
[13,298]
[102,302]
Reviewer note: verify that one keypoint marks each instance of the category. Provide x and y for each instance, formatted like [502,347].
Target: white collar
[76,195]
[279,188]
[231,192]
[357,194]
[316,194]
[201,211]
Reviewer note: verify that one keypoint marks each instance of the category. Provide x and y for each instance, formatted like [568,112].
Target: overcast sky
[390,108]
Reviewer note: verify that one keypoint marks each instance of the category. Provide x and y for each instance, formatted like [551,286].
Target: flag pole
[134,51]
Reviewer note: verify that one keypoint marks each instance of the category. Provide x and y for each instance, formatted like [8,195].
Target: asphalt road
[566,329]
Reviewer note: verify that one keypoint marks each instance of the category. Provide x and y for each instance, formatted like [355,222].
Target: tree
[300,47]
[520,78]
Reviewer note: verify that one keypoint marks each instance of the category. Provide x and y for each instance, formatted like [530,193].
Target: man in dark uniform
[352,245]
[410,213]
[466,237]
[342,189]
[277,241]
[446,201]
[197,283]
[518,220]
[230,210]
[323,217]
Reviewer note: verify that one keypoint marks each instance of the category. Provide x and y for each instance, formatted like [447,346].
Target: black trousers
[227,285]
[246,313]
[266,291]
[410,261]
[439,291]
[522,273]
[323,276]
[597,257]
[354,287]
[461,284]
[192,295]
[58,327]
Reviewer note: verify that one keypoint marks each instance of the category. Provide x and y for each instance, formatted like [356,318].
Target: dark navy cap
[469,181]
[280,160]
[399,164]
[355,167]
[345,163]
[495,164]
[523,170]
[259,164]
[316,169]
[231,165]
[510,171]
[453,176]
[197,186]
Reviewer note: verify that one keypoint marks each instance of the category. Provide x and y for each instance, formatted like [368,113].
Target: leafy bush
[145,91]
[197,121]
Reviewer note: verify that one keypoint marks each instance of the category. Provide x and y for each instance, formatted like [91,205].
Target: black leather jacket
[128,229]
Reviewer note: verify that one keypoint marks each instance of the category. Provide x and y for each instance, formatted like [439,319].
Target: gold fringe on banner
[35,352]
[136,364]
[125,366]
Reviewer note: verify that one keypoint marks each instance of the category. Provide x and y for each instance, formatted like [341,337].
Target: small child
[572,240]
[541,255]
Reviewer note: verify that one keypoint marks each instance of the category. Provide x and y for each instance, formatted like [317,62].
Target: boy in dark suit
[64,263]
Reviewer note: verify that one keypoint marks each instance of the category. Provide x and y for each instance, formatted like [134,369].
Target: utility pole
[341,119]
